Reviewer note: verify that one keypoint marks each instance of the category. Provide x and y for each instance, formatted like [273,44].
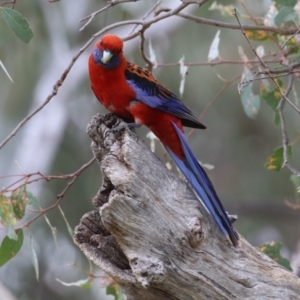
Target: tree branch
[216,23]
[154,238]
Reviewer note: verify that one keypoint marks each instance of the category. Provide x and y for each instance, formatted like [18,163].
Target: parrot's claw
[120,128]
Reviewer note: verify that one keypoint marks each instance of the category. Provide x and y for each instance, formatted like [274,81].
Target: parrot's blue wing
[149,91]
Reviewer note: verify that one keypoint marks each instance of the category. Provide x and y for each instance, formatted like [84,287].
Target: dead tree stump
[156,240]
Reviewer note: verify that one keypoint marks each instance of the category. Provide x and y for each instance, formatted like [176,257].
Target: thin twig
[148,23]
[218,62]
[285,139]
[243,84]
[60,195]
[142,49]
[115,2]
[234,26]
[13,2]
[92,16]
[147,14]
[267,70]
[250,44]
[283,45]
[45,177]
[59,198]
[198,2]
[248,12]
[256,21]
[210,103]
[287,69]
[218,94]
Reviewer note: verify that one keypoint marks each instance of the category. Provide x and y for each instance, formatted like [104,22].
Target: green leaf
[251,102]
[12,209]
[83,283]
[53,230]
[9,248]
[275,161]
[281,3]
[70,230]
[19,201]
[258,35]
[5,71]
[286,16]
[10,232]
[115,291]
[33,257]
[17,24]
[272,249]
[291,46]
[269,17]
[7,215]
[32,200]
[272,98]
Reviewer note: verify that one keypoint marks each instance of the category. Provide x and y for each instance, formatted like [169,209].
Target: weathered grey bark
[154,238]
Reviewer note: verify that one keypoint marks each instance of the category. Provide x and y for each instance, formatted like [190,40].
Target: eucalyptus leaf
[17,24]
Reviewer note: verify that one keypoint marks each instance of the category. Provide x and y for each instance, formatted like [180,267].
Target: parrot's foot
[111,115]
[120,128]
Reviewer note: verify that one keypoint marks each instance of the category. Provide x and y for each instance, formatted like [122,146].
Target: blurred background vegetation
[54,141]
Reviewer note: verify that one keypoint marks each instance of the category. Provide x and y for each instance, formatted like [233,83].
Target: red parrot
[133,93]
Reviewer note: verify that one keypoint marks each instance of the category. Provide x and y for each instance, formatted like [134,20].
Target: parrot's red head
[108,51]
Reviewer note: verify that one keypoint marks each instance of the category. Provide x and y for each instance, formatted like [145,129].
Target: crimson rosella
[133,93]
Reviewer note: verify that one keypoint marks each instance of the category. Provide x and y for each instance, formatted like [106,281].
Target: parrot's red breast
[109,85]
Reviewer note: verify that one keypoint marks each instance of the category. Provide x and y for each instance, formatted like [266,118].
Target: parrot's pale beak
[107,55]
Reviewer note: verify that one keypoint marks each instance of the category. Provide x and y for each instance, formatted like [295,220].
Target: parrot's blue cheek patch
[112,64]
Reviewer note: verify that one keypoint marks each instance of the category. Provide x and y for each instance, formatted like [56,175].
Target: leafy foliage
[33,257]
[272,249]
[282,3]
[286,16]
[272,98]
[114,290]
[17,24]
[258,35]
[250,101]
[275,161]
[12,209]
[10,247]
